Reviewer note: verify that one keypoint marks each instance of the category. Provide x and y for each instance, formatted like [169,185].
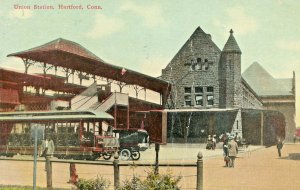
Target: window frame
[189,99]
[190,91]
[207,99]
[199,95]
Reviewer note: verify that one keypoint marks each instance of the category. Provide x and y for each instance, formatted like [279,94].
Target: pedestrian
[225,151]
[209,144]
[47,147]
[232,151]
[214,142]
[279,146]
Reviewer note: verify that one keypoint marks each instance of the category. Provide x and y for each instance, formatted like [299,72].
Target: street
[257,168]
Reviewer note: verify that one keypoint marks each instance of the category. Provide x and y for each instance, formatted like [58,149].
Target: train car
[76,134]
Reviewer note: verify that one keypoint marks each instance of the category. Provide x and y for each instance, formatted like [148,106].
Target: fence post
[199,171]
[116,171]
[49,171]
[73,174]
[157,147]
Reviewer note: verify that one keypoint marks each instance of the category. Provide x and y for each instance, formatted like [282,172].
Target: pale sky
[144,35]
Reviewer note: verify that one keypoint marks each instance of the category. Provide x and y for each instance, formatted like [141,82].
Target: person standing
[232,151]
[279,146]
[209,144]
[47,147]
[225,152]
[214,141]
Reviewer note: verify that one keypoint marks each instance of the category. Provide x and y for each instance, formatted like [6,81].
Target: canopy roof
[48,82]
[45,116]
[68,54]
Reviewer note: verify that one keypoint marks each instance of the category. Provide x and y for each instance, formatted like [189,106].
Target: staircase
[81,102]
[115,98]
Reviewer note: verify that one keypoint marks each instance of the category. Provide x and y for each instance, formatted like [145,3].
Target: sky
[144,35]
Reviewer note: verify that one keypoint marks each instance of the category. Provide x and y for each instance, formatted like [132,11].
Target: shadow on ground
[294,156]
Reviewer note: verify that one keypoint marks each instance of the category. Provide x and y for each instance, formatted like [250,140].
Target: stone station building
[211,96]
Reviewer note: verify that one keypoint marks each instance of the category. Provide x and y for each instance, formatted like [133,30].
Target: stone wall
[249,99]
[230,80]
[288,110]
[195,65]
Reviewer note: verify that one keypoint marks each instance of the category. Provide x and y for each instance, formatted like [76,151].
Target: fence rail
[115,166]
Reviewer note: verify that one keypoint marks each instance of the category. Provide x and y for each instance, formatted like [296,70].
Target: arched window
[199,64]
[192,67]
[205,65]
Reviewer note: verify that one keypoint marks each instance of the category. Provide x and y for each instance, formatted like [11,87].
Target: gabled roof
[231,44]
[265,84]
[189,47]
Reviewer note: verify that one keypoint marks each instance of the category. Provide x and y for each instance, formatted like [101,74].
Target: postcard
[111,94]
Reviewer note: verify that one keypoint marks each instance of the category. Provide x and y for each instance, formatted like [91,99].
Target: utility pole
[35,158]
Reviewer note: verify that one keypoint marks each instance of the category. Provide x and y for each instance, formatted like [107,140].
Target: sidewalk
[189,152]
[259,170]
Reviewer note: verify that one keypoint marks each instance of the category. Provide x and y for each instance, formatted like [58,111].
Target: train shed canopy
[48,82]
[68,54]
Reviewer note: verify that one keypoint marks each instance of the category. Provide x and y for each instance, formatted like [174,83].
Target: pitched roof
[71,55]
[60,44]
[189,46]
[265,84]
[198,33]
[231,44]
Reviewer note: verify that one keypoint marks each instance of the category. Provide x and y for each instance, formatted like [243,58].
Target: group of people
[230,149]
[211,142]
